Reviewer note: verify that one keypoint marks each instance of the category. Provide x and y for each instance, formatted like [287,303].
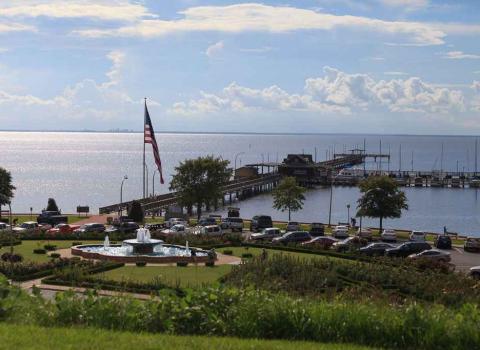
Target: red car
[62,229]
[324,242]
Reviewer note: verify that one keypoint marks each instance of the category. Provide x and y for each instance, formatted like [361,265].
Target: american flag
[149,137]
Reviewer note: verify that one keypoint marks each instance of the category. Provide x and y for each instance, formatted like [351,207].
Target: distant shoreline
[228,133]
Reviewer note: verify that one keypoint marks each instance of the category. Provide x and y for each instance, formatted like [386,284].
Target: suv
[209,230]
[407,249]
[340,231]
[365,233]
[292,226]
[175,221]
[207,221]
[472,244]
[443,242]
[89,228]
[317,229]
[259,222]
[235,224]
[293,237]
[418,236]
[389,235]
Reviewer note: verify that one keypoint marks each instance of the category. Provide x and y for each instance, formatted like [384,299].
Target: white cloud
[407,4]
[15,27]
[258,17]
[476,100]
[117,58]
[262,49]
[215,49]
[336,92]
[395,73]
[100,9]
[459,55]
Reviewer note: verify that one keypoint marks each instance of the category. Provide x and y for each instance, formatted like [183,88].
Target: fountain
[144,248]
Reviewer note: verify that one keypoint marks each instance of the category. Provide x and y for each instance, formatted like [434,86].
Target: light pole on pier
[121,195]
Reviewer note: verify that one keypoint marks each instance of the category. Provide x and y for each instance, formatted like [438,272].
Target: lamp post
[348,214]
[236,156]
[153,182]
[121,194]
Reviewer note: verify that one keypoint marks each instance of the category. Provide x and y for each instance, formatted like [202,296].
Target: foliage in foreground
[20,337]
[313,277]
[255,314]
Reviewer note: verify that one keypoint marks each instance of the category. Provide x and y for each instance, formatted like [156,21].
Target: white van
[210,230]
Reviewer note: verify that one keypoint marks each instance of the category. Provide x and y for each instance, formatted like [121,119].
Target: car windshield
[25,225]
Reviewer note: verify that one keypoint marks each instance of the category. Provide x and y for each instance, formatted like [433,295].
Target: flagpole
[144,116]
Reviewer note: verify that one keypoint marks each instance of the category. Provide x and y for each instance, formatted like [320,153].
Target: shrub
[210,263]
[55,255]
[141,263]
[247,255]
[76,243]
[39,251]
[228,252]
[12,258]
[50,247]
[182,263]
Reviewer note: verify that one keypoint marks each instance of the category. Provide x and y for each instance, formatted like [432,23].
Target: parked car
[62,229]
[175,221]
[123,227]
[207,221]
[234,224]
[90,228]
[475,272]
[317,229]
[375,249]
[350,243]
[365,233]
[292,226]
[407,249]
[267,234]
[175,230]
[443,242]
[340,231]
[293,237]
[210,230]
[259,222]
[433,255]
[323,242]
[418,236]
[472,244]
[389,235]
[4,227]
[28,227]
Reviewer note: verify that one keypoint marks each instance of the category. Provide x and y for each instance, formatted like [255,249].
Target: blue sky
[372,66]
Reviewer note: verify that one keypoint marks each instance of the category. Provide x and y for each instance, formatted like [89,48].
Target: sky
[303,66]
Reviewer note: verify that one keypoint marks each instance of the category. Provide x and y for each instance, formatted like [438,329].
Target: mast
[441,160]
[400,159]
[143,167]
[476,159]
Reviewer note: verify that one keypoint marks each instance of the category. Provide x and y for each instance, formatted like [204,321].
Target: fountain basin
[161,254]
[143,247]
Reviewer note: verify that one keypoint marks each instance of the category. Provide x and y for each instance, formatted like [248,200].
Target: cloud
[475,105]
[459,55]
[407,4]
[257,49]
[395,73]
[336,92]
[84,102]
[250,17]
[16,27]
[215,49]
[119,10]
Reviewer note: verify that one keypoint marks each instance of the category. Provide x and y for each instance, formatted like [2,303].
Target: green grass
[189,276]
[38,338]
[238,251]
[27,247]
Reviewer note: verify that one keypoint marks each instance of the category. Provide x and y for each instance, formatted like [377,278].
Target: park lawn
[189,276]
[238,251]
[27,247]
[40,338]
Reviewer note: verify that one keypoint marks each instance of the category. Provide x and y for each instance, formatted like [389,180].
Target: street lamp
[153,182]
[121,194]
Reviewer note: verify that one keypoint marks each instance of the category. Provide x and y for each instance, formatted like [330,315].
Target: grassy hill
[38,338]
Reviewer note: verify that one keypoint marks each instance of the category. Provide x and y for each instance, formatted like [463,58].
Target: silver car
[266,234]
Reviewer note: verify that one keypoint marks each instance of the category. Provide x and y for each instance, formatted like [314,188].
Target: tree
[6,188]
[288,196]
[381,199]
[200,181]
[52,205]
[136,212]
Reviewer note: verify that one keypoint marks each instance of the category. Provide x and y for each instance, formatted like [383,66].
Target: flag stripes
[149,137]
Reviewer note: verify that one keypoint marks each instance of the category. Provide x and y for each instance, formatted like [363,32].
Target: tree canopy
[381,198]
[6,187]
[288,196]
[52,205]
[200,181]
